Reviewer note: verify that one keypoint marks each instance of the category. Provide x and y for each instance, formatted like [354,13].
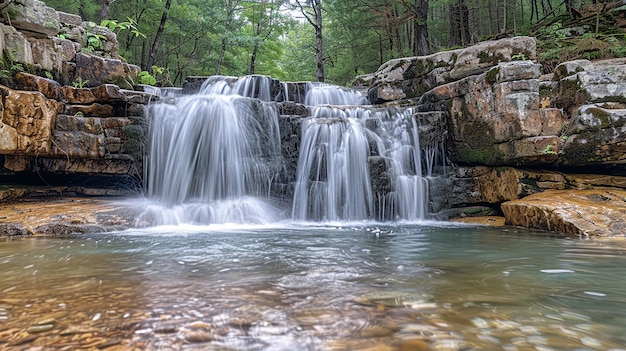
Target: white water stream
[215,155]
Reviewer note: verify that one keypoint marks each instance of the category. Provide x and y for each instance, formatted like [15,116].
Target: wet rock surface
[596,212]
[59,216]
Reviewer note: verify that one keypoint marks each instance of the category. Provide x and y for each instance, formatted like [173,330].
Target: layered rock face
[63,130]
[39,38]
[503,113]
[80,122]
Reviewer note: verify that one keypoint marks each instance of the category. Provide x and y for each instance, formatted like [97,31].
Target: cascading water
[212,159]
[333,178]
[327,94]
[215,157]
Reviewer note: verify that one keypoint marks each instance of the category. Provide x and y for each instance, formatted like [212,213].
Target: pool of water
[305,287]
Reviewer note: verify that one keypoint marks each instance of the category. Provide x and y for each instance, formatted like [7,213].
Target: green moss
[571,95]
[603,116]
[486,57]
[500,170]
[545,91]
[133,131]
[491,76]
[619,98]
[478,146]
[454,58]
[123,82]
[583,149]
[132,147]
[529,186]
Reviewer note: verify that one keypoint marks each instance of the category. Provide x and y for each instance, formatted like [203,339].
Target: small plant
[548,150]
[116,26]
[146,78]
[17,67]
[49,75]
[80,82]
[95,41]
[518,57]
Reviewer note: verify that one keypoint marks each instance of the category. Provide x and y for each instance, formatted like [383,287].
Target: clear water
[308,287]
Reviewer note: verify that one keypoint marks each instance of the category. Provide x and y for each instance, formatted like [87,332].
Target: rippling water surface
[414,287]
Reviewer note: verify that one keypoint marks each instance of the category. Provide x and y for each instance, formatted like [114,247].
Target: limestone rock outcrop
[407,78]
[33,35]
[595,212]
[510,127]
[84,130]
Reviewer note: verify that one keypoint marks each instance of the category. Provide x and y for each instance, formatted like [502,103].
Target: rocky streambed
[54,211]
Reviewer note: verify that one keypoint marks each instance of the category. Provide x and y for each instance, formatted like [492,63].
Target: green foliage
[129,25]
[95,41]
[80,82]
[146,78]
[548,150]
[359,36]
[518,57]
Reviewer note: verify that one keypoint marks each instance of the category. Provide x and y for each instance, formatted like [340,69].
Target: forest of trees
[333,40]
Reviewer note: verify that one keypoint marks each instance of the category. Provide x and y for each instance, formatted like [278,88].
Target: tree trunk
[255,50]
[459,24]
[420,30]
[319,40]
[316,22]
[157,37]
[104,9]
[505,12]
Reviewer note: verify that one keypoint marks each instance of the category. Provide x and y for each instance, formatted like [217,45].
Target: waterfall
[216,157]
[327,94]
[333,180]
[253,86]
[212,159]
[338,148]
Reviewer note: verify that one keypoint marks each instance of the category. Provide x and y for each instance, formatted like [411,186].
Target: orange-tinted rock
[597,212]
[48,87]
[58,216]
[95,109]
[27,122]
[74,95]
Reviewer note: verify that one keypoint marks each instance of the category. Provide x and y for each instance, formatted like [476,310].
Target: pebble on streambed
[42,325]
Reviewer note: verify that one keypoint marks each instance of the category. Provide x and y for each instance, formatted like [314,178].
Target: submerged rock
[62,216]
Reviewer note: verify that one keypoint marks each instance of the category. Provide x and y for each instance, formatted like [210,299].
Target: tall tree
[264,20]
[312,11]
[419,10]
[104,9]
[459,24]
[157,36]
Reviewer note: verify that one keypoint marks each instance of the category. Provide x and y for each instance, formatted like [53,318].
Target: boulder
[15,43]
[478,58]
[49,88]
[27,122]
[32,16]
[409,78]
[582,213]
[496,118]
[494,185]
[94,71]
